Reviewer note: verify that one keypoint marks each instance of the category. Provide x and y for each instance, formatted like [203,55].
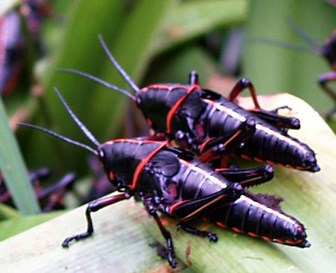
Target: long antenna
[81,126]
[96,79]
[311,46]
[68,140]
[303,35]
[301,48]
[121,71]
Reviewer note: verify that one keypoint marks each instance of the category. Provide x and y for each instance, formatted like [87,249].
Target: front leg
[93,207]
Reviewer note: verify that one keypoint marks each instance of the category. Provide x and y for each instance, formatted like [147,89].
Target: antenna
[312,45]
[303,35]
[81,126]
[121,71]
[52,133]
[301,48]
[96,79]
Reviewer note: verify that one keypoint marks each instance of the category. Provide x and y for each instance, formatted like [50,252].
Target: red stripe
[176,106]
[172,208]
[204,144]
[142,164]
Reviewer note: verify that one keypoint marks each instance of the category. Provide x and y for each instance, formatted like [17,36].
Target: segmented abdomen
[269,144]
[257,220]
[197,180]
[222,118]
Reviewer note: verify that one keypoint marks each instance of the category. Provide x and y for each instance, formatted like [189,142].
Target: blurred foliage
[159,41]
[274,68]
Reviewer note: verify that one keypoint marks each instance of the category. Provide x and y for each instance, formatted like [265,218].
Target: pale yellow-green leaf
[120,244]
[195,18]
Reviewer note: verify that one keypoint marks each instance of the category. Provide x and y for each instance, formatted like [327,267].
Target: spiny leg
[202,233]
[224,145]
[248,177]
[187,210]
[164,232]
[270,116]
[240,86]
[93,207]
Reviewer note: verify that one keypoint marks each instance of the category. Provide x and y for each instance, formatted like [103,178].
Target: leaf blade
[14,170]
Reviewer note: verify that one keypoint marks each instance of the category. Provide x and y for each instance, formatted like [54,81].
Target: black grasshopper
[171,181]
[50,197]
[211,125]
[258,215]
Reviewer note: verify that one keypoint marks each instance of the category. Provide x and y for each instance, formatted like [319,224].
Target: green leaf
[7,212]
[14,170]
[79,37]
[130,37]
[275,69]
[332,124]
[120,244]
[15,226]
[132,48]
[178,65]
[195,18]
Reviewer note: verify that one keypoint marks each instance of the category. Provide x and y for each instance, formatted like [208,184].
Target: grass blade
[276,69]
[15,226]
[191,19]
[14,170]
